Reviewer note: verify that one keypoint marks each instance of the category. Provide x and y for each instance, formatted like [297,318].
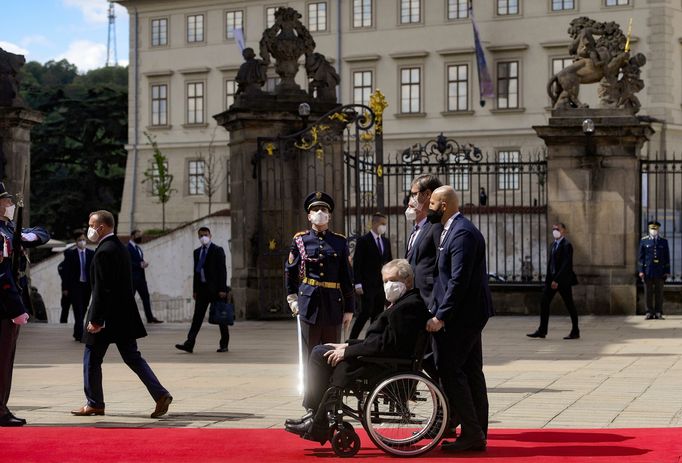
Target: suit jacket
[215,272]
[461,296]
[422,258]
[654,257]
[112,304]
[71,268]
[562,262]
[367,263]
[136,262]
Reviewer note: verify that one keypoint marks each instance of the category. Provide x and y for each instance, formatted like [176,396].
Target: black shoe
[222,349]
[290,421]
[155,320]
[317,433]
[649,316]
[659,316]
[299,428]
[184,347]
[463,445]
[573,335]
[10,421]
[16,417]
[537,334]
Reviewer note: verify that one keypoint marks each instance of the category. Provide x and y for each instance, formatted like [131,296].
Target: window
[366,173]
[458,9]
[362,87]
[508,176]
[560,5]
[270,16]
[362,13]
[458,177]
[458,87]
[196,180]
[507,7]
[195,28]
[410,11]
[230,91]
[233,20]
[617,2]
[317,17]
[159,104]
[508,85]
[559,63]
[410,90]
[154,180]
[271,84]
[195,103]
[159,32]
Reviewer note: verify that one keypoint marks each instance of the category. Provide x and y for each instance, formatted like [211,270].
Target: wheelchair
[404,412]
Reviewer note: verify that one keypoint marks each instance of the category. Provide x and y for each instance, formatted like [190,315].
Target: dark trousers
[566,293]
[653,291]
[459,359]
[65,302]
[314,335]
[140,286]
[80,297]
[201,304]
[9,332]
[371,306]
[92,370]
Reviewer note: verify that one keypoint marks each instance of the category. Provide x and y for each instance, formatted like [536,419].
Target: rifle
[17,248]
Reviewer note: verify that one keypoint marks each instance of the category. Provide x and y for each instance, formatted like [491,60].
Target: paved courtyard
[624,372]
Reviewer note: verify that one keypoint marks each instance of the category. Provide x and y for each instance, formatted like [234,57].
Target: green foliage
[77,154]
[159,177]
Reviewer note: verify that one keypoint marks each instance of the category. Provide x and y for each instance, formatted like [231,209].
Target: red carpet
[127,445]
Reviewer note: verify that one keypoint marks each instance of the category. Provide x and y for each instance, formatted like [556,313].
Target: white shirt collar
[449,222]
[375,235]
[421,223]
[106,236]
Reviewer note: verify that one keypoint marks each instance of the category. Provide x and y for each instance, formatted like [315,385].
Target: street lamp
[588,130]
[304,113]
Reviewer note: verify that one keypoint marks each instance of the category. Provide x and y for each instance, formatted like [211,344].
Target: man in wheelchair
[332,367]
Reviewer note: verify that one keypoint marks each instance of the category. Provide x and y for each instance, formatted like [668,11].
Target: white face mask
[9,211]
[653,233]
[93,235]
[556,234]
[381,229]
[411,214]
[394,290]
[318,218]
[81,244]
[205,240]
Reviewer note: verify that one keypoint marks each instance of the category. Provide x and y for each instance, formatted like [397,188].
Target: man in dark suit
[422,245]
[560,278]
[372,251]
[462,304]
[76,280]
[209,285]
[113,318]
[393,334]
[139,279]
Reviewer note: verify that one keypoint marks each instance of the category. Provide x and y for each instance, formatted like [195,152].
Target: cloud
[94,11]
[86,55]
[35,40]
[13,48]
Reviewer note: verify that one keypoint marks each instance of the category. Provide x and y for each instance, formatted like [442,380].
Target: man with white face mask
[393,334]
[654,269]
[76,284]
[372,251]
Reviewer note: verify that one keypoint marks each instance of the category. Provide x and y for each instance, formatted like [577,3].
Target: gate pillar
[594,185]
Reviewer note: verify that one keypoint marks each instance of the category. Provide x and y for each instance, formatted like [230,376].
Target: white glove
[358,290]
[29,237]
[292,300]
[21,319]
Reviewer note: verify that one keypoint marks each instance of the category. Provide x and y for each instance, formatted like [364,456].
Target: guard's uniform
[654,263]
[318,272]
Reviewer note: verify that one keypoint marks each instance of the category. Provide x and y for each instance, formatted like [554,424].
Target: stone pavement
[624,372]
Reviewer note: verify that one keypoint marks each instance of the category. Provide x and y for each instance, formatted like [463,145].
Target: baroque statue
[286,41]
[601,55]
[252,74]
[324,77]
[10,64]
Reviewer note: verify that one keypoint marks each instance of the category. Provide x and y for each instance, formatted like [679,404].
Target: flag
[484,81]
[239,38]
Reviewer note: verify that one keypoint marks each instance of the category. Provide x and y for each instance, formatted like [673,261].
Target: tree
[159,177]
[214,171]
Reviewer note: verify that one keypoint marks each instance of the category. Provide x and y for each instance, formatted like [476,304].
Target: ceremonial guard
[654,268]
[319,278]
[12,310]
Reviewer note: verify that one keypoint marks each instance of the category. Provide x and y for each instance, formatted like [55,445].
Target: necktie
[81,255]
[410,243]
[442,236]
[202,259]
[381,248]
[139,251]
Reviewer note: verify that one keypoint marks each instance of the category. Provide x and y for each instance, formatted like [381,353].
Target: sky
[44,30]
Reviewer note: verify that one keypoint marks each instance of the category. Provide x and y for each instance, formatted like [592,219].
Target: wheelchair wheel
[406,415]
[345,442]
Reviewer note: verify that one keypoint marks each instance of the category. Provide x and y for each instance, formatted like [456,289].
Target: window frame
[151,32]
[226,83]
[372,15]
[562,10]
[627,4]
[326,17]
[203,29]
[204,88]
[191,175]
[518,84]
[457,18]
[372,85]
[504,174]
[410,23]
[225,24]
[152,190]
[267,7]
[166,84]
[507,14]
[420,91]
[448,65]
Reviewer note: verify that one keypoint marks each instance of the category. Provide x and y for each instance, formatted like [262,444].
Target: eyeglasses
[414,194]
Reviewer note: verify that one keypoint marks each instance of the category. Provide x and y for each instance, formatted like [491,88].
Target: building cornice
[159,73]
[358,58]
[409,54]
[197,70]
[456,51]
[510,47]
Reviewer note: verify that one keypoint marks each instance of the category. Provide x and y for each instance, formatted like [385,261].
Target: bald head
[444,200]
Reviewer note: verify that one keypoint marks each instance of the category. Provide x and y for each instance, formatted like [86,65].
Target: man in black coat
[560,278]
[393,334]
[113,318]
[372,251]
[139,279]
[422,245]
[462,304]
[209,285]
[75,275]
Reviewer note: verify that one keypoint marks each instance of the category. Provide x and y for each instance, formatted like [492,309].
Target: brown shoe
[162,406]
[87,410]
